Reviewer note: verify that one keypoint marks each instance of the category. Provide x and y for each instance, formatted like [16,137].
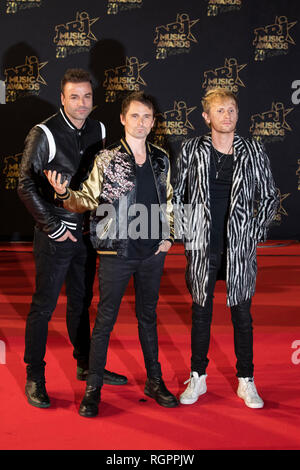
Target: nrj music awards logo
[114,6]
[75,36]
[24,79]
[173,124]
[16,5]
[215,7]
[11,171]
[273,39]
[227,76]
[271,126]
[281,209]
[175,38]
[124,78]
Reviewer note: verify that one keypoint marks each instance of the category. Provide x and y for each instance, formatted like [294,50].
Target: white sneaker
[247,391]
[196,387]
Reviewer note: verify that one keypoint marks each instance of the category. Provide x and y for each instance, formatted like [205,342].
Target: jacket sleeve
[267,193]
[181,172]
[169,209]
[34,160]
[179,187]
[87,199]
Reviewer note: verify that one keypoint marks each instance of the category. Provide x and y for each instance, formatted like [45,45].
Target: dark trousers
[201,324]
[57,262]
[114,276]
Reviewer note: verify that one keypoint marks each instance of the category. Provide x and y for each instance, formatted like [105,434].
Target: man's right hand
[65,236]
[54,179]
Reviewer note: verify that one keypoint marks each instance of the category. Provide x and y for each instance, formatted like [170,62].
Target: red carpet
[130,420]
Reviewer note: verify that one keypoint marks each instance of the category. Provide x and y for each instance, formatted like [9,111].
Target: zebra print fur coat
[252,183]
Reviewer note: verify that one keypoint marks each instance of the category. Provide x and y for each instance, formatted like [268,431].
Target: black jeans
[114,276]
[57,262]
[201,324]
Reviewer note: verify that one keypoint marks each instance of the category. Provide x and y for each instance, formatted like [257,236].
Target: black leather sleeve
[32,179]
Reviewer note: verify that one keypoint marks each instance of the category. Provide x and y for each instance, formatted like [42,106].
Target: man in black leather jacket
[130,182]
[67,141]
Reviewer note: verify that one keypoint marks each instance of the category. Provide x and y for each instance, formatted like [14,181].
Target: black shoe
[90,402]
[155,388]
[37,394]
[109,378]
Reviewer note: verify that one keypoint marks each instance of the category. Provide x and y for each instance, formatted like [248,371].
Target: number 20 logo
[296,354]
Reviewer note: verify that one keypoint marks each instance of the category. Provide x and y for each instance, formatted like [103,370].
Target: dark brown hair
[75,76]
[139,96]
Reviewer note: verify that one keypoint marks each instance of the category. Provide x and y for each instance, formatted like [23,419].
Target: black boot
[109,378]
[82,373]
[155,388]
[37,394]
[89,405]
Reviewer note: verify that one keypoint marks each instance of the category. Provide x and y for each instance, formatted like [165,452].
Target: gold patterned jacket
[110,191]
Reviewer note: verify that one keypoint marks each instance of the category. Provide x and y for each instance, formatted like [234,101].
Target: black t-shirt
[220,190]
[147,228]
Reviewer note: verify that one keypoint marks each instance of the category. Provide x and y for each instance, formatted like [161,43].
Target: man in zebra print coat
[222,176]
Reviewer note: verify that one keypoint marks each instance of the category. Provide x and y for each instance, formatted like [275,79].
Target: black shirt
[149,230]
[220,190]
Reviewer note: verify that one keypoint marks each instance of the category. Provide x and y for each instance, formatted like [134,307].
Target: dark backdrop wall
[173,49]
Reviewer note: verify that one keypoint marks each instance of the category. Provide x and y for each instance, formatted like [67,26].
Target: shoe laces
[251,388]
[40,387]
[191,381]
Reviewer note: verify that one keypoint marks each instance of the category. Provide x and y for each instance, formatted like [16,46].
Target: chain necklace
[220,156]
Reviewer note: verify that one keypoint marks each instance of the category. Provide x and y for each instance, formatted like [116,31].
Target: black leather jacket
[111,189]
[57,144]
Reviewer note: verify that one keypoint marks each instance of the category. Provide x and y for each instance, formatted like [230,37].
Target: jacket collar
[238,144]
[125,146]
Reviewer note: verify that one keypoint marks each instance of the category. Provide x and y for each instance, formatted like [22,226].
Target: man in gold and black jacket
[130,194]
